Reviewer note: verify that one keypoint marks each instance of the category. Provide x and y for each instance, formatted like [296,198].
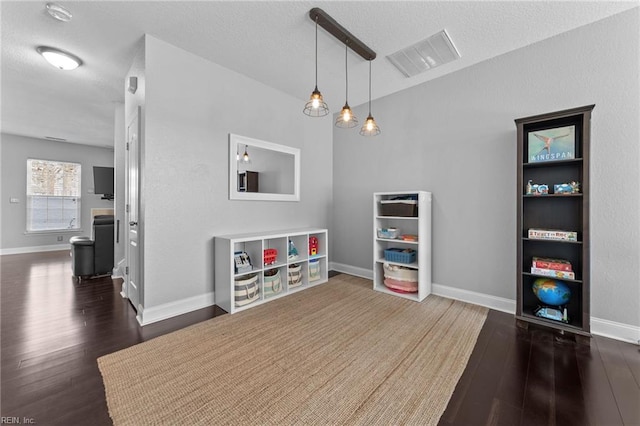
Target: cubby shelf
[563,211]
[314,268]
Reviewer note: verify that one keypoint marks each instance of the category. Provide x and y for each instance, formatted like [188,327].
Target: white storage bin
[391,233]
[400,273]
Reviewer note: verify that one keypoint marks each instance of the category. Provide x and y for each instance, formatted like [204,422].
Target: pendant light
[370,128]
[347,118]
[245,156]
[316,107]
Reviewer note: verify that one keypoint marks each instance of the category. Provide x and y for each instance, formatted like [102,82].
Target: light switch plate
[14,200]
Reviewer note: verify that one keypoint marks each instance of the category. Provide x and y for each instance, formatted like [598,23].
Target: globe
[551,292]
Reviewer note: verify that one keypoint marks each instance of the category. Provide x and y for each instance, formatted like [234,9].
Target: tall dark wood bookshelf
[565,211]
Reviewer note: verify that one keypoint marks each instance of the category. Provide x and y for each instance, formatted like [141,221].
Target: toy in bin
[313,246]
[293,251]
[270,256]
[242,262]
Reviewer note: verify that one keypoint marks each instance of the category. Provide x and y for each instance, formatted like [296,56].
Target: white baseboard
[601,327]
[493,302]
[351,270]
[615,330]
[153,314]
[118,270]
[35,249]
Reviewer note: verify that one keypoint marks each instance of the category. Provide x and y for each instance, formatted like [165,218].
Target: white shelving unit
[419,225]
[254,245]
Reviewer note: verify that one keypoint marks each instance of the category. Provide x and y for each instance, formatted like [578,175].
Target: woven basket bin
[400,273]
[401,286]
[246,289]
[272,284]
[294,275]
[314,270]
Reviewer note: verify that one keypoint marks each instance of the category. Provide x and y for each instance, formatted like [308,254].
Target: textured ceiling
[271,42]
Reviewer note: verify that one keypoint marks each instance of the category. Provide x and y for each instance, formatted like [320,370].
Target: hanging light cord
[346,74]
[316,52]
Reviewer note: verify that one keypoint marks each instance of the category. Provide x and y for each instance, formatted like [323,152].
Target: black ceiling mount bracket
[339,32]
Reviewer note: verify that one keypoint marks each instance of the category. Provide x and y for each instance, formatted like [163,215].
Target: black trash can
[82,256]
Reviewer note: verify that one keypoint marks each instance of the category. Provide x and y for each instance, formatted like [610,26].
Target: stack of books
[557,268]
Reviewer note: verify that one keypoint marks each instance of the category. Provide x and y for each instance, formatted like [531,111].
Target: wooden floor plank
[568,385]
[539,405]
[625,388]
[478,401]
[54,328]
[460,395]
[631,355]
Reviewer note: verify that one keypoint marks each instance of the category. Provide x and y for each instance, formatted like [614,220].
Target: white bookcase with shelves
[405,227]
[239,286]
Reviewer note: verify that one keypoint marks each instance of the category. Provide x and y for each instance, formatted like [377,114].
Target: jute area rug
[338,353]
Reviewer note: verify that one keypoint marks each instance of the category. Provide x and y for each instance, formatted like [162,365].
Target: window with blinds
[53,195]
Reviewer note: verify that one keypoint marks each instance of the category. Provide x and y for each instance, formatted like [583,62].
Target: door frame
[136,115]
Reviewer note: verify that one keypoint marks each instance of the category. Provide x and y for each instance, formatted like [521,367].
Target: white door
[132,276]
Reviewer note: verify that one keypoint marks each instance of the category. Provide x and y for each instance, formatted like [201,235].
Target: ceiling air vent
[51,138]
[424,55]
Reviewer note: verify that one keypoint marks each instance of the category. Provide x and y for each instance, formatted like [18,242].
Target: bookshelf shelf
[418,225]
[553,149]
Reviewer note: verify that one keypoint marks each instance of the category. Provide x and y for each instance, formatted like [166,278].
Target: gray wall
[455,136]
[191,105]
[15,152]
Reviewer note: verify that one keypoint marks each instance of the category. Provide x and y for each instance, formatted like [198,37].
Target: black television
[103,182]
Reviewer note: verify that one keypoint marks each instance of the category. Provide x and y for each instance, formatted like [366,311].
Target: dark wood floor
[53,329]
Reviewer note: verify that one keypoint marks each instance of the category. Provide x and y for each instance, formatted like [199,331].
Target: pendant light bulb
[245,156]
[370,128]
[347,118]
[370,123]
[346,113]
[316,107]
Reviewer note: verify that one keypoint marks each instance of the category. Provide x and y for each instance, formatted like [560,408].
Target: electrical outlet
[59,237]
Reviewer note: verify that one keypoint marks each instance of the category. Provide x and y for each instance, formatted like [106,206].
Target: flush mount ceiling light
[59,59]
[58,12]
[347,118]
[370,127]
[424,55]
[316,107]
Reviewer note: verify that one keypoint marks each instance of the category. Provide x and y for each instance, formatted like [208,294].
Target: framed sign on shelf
[558,143]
